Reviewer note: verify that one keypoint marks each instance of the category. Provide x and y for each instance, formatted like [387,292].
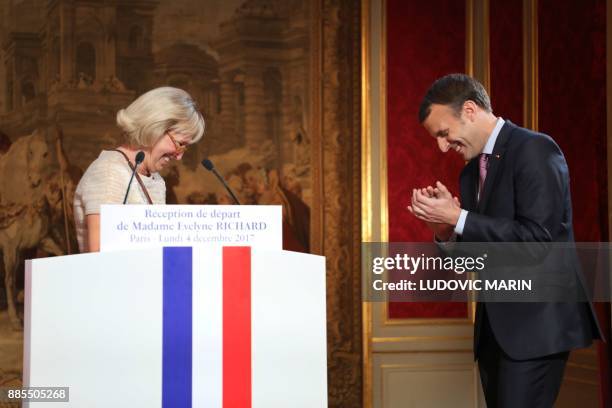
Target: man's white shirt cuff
[461,222]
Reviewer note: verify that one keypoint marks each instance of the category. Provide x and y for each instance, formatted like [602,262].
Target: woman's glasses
[180,147]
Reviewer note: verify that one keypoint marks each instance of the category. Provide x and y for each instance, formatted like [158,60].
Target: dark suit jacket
[526,198]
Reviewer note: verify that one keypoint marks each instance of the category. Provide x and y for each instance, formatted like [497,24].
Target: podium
[178,327]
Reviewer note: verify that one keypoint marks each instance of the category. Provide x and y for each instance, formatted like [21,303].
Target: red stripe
[236,327]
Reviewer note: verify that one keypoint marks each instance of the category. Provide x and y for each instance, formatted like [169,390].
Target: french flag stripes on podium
[179,327]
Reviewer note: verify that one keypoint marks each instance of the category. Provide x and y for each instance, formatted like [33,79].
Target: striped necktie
[483,165]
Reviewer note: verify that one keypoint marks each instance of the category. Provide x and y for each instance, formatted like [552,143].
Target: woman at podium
[158,127]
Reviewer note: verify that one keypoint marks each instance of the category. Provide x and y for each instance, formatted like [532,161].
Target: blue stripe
[176,341]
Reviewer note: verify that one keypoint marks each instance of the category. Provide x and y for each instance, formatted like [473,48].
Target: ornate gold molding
[401,339]
[374,198]
[477,41]
[530,64]
[374,219]
[384,189]
[338,181]
[366,195]
[469,37]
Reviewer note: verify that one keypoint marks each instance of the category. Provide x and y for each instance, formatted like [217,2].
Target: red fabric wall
[506,59]
[425,40]
[572,66]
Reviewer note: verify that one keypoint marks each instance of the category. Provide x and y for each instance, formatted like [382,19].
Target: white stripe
[288,337]
[207,380]
[97,328]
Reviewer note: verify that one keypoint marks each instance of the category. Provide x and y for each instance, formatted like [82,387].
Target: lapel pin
[497,156]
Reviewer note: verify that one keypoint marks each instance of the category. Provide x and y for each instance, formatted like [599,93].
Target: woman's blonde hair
[158,111]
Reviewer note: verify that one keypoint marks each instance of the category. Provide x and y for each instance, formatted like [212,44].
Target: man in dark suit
[514,188]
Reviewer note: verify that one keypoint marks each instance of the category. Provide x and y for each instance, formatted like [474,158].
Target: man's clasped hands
[437,207]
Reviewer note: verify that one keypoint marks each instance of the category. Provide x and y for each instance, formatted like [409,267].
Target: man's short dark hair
[453,90]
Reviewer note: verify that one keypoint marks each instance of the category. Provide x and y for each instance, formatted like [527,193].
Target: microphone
[139,159]
[208,165]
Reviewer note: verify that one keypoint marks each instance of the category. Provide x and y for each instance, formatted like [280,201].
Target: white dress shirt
[488,149]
